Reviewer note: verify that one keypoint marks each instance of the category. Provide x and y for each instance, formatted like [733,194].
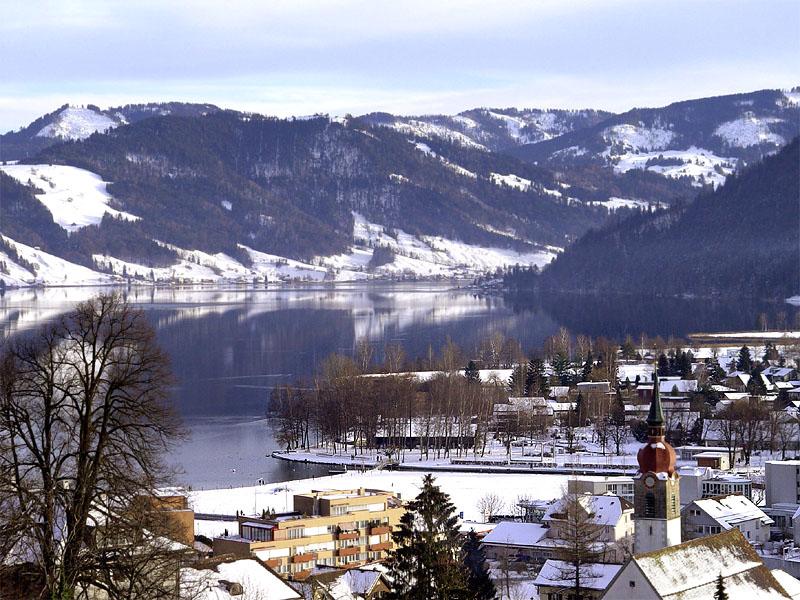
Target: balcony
[348,535]
[352,551]
[380,530]
[304,558]
[273,563]
[380,547]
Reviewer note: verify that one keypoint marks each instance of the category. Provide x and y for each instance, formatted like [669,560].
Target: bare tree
[490,504]
[83,427]
[581,537]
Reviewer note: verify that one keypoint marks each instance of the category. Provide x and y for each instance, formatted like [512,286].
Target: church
[664,568]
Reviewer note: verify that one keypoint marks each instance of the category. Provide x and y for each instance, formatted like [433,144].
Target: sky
[299,57]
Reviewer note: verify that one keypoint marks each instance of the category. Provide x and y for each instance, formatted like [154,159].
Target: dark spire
[655,418]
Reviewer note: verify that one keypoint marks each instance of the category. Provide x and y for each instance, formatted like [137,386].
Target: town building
[232,578]
[599,484]
[656,485]
[556,580]
[357,583]
[708,516]
[534,543]
[690,570]
[335,528]
[782,481]
[725,485]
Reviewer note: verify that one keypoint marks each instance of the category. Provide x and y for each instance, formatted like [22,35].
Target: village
[683,461]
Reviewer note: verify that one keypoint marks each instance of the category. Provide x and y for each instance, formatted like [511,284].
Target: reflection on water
[230,347]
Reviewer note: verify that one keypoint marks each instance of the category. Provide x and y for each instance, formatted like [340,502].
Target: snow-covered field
[47,269]
[465,490]
[511,180]
[701,165]
[614,203]
[75,197]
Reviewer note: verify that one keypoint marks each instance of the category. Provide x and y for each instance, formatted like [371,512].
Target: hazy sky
[419,56]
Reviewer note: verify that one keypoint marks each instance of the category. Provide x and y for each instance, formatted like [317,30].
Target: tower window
[649,505]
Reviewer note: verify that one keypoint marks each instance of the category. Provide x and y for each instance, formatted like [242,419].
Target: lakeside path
[465,490]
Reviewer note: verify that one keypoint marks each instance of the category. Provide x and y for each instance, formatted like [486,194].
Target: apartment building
[334,528]
[600,484]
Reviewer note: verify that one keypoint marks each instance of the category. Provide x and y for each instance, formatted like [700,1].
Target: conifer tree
[587,367]
[479,584]
[720,593]
[427,564]
[472,373]
[744,363]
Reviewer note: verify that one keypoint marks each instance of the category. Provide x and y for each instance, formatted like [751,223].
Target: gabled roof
[511,533]
[212,579]
[605,509]
[689,571]
[594,576]
[731,510]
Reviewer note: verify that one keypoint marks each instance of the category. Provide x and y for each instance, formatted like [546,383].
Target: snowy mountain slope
[77,123]
[32,266]
[495,129]
[714,133]
[75,197]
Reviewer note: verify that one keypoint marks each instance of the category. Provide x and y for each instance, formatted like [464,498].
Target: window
[294,533]
[649,505]
[632,583]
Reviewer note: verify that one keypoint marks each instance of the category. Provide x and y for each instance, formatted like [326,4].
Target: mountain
[340,198]
[79,122]
[700,141]
[743,238]
[495,129]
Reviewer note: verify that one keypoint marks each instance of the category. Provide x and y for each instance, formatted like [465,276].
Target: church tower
[657,505]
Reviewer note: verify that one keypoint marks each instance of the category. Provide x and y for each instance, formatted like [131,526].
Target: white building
[557,577]
[708,516]
[600,484]
[782,482]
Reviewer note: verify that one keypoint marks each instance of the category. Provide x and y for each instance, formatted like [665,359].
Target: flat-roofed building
[334,528]
[600,484]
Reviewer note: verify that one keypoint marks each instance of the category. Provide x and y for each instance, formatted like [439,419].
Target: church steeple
[656,415]
[656,485]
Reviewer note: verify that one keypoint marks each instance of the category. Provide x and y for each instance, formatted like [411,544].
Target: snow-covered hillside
[749,131]
[75,197]
[77,123]
[700,165]
[411,257]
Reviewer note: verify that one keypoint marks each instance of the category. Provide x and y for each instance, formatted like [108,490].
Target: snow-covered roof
[689,571]
[594,576]
[629,372]
[350,584]
[511,533]
[791,585]
[257,581]
[605,509]
[731,510]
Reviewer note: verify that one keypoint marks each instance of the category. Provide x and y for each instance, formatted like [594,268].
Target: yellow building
[334,527]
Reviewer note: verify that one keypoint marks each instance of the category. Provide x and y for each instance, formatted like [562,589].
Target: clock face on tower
[649,481]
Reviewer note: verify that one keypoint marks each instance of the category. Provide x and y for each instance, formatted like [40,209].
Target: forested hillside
[743,239]
[290,187]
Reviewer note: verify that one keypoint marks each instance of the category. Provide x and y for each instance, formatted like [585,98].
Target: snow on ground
[47,269]
[794,300]
[75,197]
[703,166]
[511,180]
[638,137]
[792,98]
[514,125]
[465,490]
[767,335]
[749,131]
[430,130]
[614,203]
[76,123]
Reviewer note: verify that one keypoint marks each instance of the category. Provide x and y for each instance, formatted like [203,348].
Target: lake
[230,347]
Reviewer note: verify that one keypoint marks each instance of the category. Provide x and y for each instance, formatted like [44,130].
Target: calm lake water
[230,347]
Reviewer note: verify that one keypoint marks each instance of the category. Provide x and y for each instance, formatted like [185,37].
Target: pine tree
[561,367]
[744,363]
[472,373]
[663,365]
[720,593]
[480,585]
[426,563]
